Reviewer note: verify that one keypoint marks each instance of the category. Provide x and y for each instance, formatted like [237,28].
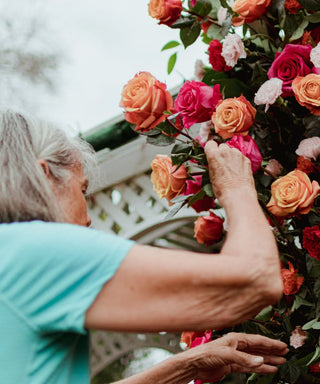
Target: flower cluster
[259,93]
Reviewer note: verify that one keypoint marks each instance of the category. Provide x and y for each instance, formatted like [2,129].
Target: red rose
[290,279]
[196,102]
[216,60]
[314,368]
[248,147]
[166,11]
[292,6]
[305,165]
[293,61]
[315,33]
[208,229]
[193,187]
[311,241]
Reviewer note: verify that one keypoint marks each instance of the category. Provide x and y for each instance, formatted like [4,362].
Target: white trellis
[124,203]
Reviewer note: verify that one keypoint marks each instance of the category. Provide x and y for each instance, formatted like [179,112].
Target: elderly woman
[58,279]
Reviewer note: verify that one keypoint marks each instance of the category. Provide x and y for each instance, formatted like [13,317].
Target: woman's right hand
[229,170]
[236,352]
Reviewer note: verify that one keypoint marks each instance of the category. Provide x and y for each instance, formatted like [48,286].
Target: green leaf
[181,148]
[208,190]
[314,357]
[198,196]
[183,22]
[310,324]
[189,35]
[174,210]
[172,62]
[225,4]
[314,18]
[299,31]
[169,45]
[202,7]
[310,5]
[214,32]
[265,314]
[290,371]
[298,302]
[160,140]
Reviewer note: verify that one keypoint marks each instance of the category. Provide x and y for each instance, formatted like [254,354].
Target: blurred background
[67,60]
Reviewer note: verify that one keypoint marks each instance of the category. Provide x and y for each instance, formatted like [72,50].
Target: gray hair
[25,192]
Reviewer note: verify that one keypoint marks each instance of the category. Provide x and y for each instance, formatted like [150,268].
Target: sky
[104,43]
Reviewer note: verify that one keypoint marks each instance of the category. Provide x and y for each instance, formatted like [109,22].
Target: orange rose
[208,229]
[307,92]
[292,193]
[248,10]
[290,280]
[233,116]
[166,11]
[144,99]
[167,180]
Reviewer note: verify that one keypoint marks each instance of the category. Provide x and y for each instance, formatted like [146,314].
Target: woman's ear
[45,167]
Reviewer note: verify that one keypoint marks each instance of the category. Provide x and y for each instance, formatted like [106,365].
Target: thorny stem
[181,133]
[201,17]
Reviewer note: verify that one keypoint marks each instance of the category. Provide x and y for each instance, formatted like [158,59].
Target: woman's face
[72,198]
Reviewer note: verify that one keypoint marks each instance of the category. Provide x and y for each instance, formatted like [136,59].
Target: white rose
[309,148]
[233,49]
[268,92]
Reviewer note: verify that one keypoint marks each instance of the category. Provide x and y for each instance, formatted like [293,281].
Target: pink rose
[233,49]
[196,102]
[315,56]
[193,187]
[298,337]
[248,147]
[309,148]
[205,338]
[293,61]
[274,167]
[268,92]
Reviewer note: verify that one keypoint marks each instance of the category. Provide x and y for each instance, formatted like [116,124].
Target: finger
[273,360]
[211,145]
[262,369]
[259,343]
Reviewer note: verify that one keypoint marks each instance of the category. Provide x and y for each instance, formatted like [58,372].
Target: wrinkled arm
[165,289]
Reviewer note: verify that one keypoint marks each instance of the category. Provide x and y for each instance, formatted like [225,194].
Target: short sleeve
[51,273]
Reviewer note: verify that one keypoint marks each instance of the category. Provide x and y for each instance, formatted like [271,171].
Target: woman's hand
[236,352]
[229,169]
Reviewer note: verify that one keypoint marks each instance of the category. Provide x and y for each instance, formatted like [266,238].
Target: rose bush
[259,92]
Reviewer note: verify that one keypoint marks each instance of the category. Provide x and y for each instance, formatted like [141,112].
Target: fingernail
[258,359]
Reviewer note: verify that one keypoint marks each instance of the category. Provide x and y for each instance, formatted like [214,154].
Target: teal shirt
[50,274]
